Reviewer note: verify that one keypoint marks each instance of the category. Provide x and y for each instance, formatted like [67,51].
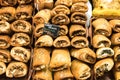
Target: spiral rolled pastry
[8,2]
[38,31]
[2,68]
[41,17]
[21,26]
[60,9]
[16,69]
[49,4]
[85,54]
[67,3]
[100,41]
[117,75]
[79,42]
[115,39]
[77,30]
[43,75]
[4,27]
[102,66]
[44,41]
[63,75]
[102,27]
[20,54]
[5,56]
[41,58]
[60,60]
[20,39]
[24,1]
[80,70]
[117,66]
[24,12]
[63,30]
[76,1]
[7,13]
[61,42]
[78,18]
[79,7]
[4,41]
[115,24]
[61,19]
[117,53]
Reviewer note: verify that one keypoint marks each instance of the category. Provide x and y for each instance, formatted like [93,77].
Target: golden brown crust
[117,53]
[4,27]
[60,60]
[68,3]
[76,1]
[38,31]
[117,75]
[41,58]
[61,42]
[49,4]
[63,30]
[24,1]
[8,2]
[2,68]
[115,39]
[117,66]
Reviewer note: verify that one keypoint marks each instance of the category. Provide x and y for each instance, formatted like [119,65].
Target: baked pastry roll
[63,30]
[2,68]
[5,56]
[102,27]
[85,54]
[44,41]
[24,1]
[8,2]
[67,3]
[61,41]
[39,29]
[115,24]
[117,75]
[4,41]
[104,52]
[7,13]
[41,17]
[115,39]
[16,69]
[78,18]
[24,12]
[61,19]
[41,58]
[20,54]
[102,66]
[43,75]
[117,66]
[79,7]
[20,39]
[63,75]
[79,42]
[99,41]
[4,27]
[60,9]
[48,4]
[60,60]
[80,70]
[76,1]
[21,26]
[117,53]
[77,30]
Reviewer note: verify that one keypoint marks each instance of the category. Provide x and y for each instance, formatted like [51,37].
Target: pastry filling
[68,78]
[3,43]
[39,20]
[90,58]
[61,10]
[22,40]
[60,19]
[78,33]
[62,32]
[118,57]
[117,27]
[103,44]
[11,2]
[4,27]
[22,15]
[5,16]
[101,31]
[107,51]
[118,39]
[84,75]
[39,31]
[61,43]
[3,57]
[20,26]
[59,68]
[79,18]
[80,43]
[39,67]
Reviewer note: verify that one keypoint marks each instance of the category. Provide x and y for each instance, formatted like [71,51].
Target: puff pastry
[4,41]
[16,69]
[99,41]
[20,54]
[117,53]
[24,12]
[80,70]
[60,60]
[4,27]
[2,68]
[61,41]
[21,26]
[68,3]
[102,27]
[115,39]
[117,75]
[20,39]
[41,58]
[7,13]
[8,2]
[24,1]
[76,1]
[5,56]
[85,54]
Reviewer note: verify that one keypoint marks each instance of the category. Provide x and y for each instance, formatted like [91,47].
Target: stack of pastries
[15,31]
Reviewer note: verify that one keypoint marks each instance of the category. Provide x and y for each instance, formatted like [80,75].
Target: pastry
[39,29]
[102,26]
[20,39]
[24,12]
[79,42]
[2,68]
[4,41]
[21,26]
[24,1]
[76,1]
[99,41]
[117,75]
[117,66]
[60,60]
[117,53]
[5,56]
[63,30]
[85,54]
[41,58]
[8,2]
[61,41]
[67,3]
[77,30]
[20,54]
[80,70]
[16,69]
[44,41]
[48,4]
[115,39]
[4,27]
